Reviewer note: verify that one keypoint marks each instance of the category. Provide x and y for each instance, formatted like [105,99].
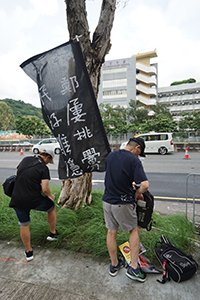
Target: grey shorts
[123,215]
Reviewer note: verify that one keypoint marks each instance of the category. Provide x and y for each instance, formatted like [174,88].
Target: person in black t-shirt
[124,172]
[33,179]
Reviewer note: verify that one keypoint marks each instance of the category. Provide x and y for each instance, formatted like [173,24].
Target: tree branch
[94,52]
[101,37]
[77,22]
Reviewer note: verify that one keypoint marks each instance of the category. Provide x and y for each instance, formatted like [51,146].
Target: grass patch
[84,230]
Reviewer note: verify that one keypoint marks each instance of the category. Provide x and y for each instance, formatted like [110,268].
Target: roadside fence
[192,184]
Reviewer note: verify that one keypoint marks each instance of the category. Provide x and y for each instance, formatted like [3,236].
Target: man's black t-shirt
[122,169]
[27,190]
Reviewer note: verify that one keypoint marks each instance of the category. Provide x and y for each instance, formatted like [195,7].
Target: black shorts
[24,215]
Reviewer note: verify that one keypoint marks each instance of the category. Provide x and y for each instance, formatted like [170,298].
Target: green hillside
[20,108]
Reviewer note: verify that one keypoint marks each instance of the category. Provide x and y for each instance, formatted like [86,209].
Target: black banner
[69,108]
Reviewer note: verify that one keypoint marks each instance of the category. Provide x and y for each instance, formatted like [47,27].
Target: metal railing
[178,137]
[195,193]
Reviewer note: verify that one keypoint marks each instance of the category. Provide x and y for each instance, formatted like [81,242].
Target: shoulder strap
[165,276]
[38,161]
[149,226]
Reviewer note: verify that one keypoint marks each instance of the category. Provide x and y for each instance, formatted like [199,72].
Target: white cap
[50,152]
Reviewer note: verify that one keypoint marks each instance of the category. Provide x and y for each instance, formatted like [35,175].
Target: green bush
[191,80]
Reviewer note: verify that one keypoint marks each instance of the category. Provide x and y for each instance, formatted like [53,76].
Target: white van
[156,142]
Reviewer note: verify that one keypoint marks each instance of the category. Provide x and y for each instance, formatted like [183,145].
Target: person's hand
[52,197]
[138,196]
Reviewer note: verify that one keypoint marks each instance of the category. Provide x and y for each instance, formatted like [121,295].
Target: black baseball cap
[140,142]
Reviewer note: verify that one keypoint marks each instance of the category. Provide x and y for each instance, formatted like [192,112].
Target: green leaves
[31,126]
[114,119]
[190,80]
[190,121]
[119,120]
[6,117]
[20,108]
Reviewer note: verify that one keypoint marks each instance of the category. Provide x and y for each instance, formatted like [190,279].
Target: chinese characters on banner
[70,109]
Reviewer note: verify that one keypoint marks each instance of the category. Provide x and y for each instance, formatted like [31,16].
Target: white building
[136,78]
[128,79]
[180,98]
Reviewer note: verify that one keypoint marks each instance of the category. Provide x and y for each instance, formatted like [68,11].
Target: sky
[30,27]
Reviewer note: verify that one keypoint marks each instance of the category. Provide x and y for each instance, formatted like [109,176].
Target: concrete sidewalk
[59,274]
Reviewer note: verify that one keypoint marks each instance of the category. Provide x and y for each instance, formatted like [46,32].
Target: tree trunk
[75,192]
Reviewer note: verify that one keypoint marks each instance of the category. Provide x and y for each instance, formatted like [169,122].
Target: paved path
[59,274]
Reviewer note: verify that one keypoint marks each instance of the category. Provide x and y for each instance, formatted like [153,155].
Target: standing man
[124,171]
[32,179]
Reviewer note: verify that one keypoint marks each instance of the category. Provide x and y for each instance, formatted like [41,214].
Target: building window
[113,71]
[114,83]
[115,92]
[121,103]
[115,103]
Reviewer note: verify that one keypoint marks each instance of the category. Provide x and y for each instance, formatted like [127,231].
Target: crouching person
[32,179]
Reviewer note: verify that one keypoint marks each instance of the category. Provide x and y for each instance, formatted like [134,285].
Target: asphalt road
[167,174]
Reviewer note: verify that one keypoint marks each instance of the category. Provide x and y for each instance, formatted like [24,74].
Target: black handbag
[144,211]
[9,183]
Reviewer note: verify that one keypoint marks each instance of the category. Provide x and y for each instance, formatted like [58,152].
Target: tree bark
[75,192]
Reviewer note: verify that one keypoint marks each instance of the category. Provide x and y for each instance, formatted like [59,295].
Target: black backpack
[9,183]
[177,265]
[144,211]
